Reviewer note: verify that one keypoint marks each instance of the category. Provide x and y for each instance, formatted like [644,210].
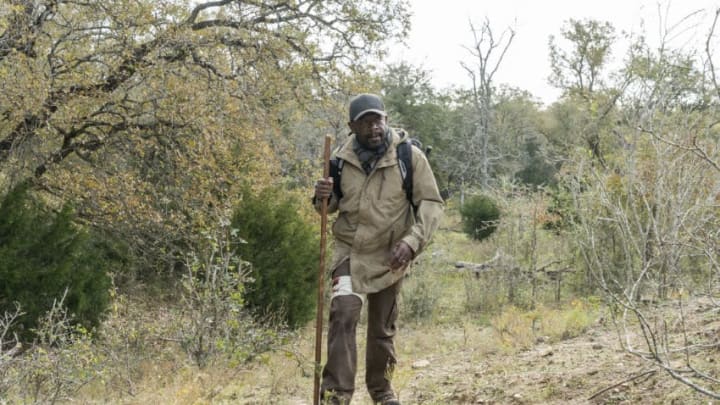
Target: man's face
[370,130]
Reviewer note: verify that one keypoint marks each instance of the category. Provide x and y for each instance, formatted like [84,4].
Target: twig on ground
[633,378]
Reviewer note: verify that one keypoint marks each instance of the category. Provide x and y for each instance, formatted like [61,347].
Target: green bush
[537,170]
[43,253]
[480,215]
[561,209]
[284,252]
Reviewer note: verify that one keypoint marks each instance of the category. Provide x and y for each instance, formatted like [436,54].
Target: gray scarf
[368,157]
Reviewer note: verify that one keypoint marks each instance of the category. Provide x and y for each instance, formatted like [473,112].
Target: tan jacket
[375,213]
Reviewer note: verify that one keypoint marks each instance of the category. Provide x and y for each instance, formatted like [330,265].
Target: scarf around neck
[368,157]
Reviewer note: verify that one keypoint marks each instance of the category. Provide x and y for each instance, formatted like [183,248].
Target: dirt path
[464,363]
[588,369]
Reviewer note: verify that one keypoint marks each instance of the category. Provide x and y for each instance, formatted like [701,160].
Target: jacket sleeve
[426,197]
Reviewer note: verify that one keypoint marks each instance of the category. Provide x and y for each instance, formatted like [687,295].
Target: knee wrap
[342,285]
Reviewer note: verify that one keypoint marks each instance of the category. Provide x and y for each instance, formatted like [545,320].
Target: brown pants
[339,371]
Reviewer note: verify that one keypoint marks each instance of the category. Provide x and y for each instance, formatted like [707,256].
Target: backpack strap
[336,166]
[404,153]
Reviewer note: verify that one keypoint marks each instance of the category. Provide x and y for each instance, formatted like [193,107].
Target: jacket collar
[347,154]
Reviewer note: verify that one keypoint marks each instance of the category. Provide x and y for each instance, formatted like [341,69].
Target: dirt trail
[570,371]
[588,369]
[462,364]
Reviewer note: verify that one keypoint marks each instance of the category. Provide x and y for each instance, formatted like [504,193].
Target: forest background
[157,159]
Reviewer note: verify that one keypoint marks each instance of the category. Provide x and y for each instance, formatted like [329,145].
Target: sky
[441,30]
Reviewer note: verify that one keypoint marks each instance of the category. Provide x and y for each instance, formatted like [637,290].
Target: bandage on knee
[342,285]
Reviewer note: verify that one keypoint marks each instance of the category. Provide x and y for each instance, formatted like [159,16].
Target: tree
[579,73]
[648,227]
[281,248]
[417,107]
[44,259]
[528,155]
[414,104]
[149,113]
[476,154]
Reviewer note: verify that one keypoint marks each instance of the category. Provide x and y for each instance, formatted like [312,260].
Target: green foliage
[561,209]
[480,215]
[537,171]
[578,71]
[283,250]
[414,105]
[43,254]
[422,111]
[160,107]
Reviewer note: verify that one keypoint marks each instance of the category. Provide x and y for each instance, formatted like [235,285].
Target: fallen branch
[490,265]
[475,267]
[633,378]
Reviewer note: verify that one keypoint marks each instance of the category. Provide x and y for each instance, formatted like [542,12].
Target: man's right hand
[323,188]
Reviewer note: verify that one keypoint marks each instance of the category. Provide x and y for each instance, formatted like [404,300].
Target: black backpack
[404,155]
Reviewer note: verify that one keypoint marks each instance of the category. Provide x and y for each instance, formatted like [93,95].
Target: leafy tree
[149,114]
[43,255]
[580,73]
[537,171]
[283,250]
[579,70]
[528,155]
[424,112]
[414,104]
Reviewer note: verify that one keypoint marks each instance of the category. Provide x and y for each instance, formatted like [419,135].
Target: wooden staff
[321,276]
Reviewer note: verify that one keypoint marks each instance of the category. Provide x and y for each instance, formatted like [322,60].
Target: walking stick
[321,277]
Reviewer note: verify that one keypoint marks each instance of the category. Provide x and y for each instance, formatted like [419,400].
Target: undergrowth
[158,350]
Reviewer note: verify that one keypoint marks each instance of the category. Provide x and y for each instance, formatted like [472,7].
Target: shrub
[283,250]
[514,328]
[43,254]
[480,215]
[212,296]
[561,212]
[60,362]
[537,170]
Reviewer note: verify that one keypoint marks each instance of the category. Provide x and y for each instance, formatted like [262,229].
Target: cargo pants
[338,375]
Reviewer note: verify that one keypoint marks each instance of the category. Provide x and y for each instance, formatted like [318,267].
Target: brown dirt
[455,365]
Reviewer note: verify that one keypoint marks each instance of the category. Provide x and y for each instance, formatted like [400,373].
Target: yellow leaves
[7,11]
[177,118]
[22,85]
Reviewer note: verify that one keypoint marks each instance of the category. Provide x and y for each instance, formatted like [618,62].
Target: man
[377,234]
